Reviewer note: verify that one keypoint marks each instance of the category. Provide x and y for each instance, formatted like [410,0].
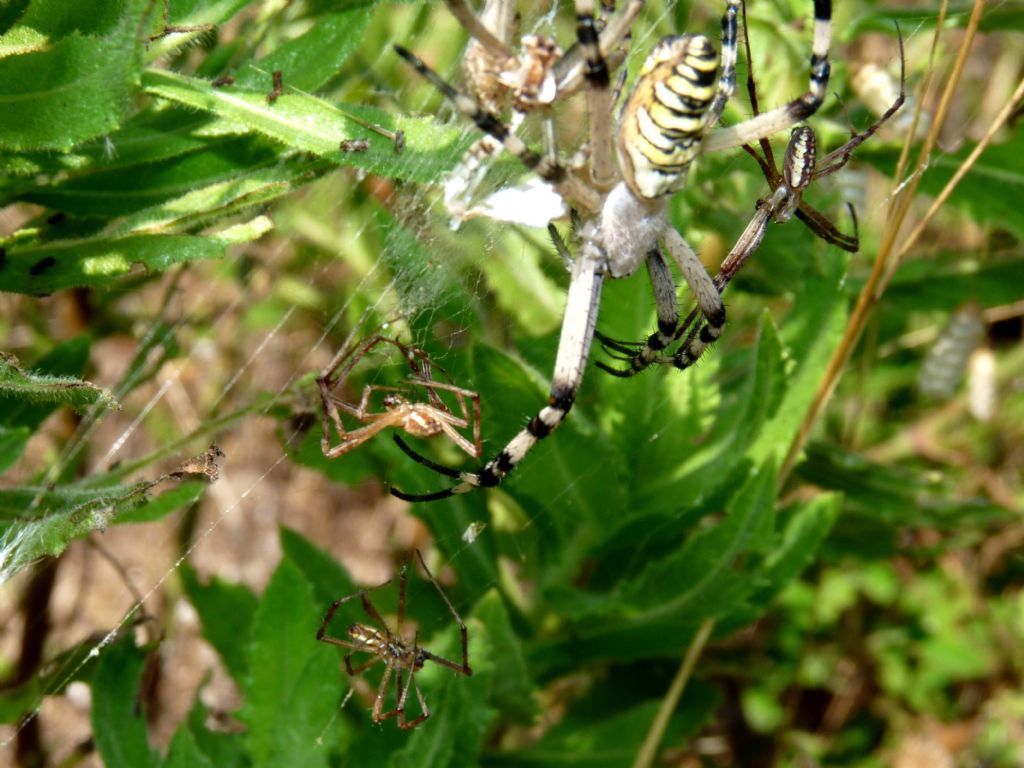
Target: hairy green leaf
[311,59]
[42,520]
[66,359]
[18,384]
[308,124]
[56,96]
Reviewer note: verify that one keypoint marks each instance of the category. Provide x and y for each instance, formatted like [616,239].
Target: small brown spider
[800,166]
[418,419]
[399,655]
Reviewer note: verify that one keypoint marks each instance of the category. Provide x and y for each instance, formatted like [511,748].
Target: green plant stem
[645,757]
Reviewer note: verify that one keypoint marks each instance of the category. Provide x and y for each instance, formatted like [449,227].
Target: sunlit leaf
[95,77]
[308,124]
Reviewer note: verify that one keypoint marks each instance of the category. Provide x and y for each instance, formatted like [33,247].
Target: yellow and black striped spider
[400,657]
[800,167]
[668,119]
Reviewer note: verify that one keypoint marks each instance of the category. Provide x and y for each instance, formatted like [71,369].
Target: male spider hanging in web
[800,167]
[668,119]
[420,419]
[398,654]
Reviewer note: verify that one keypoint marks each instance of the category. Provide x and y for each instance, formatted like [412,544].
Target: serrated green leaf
[72,90]
[894,495]
[656,611]
[118,720]
[330,581]
[813,331]
[308,124]
[738,426]
[226,611]
[804,531]
[150,136]
[207,205]
[293,688]
[700,573]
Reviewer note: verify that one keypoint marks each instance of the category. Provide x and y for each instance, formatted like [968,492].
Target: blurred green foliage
[847,600]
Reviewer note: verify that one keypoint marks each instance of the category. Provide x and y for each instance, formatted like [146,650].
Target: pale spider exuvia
[416,418]
[667,120]
[800,167]
[398,654]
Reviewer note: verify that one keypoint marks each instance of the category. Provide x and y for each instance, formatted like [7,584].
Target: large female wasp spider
[668,119]
[800,167]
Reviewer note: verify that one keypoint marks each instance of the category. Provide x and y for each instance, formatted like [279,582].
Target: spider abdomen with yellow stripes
[663,120]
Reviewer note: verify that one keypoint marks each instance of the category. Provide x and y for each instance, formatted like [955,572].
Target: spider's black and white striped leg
[800,108]
[727,71]
[573,350]
[567,185]
[639,356]
[705,292]
[798,171]
[485,121]
[599,95]
[709,304]
[838,158]
[705,334]
[819,224]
